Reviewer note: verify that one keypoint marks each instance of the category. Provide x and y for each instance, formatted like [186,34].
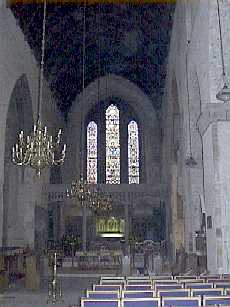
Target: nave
[156,291]
[114,149]
[120,291]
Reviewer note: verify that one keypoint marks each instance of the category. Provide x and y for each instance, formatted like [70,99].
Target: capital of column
[213,112]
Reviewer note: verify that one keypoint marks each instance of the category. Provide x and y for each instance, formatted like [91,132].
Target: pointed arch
[133,152]
[92,152]
[112,145]
[19,117]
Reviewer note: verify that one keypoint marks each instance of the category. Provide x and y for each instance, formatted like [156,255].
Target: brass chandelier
[39,150]
[100,205]
[90,198]
[80,190]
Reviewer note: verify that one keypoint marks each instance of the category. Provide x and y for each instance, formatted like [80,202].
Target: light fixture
[100,205]
[80,190]
[224,93]
[39,150]
[85,192]
[110,227]
[190,161]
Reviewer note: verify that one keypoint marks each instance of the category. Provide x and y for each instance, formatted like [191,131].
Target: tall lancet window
[133,152]
[112,145]
[92,152]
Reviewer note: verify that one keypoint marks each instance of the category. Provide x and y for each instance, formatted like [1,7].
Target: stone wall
[117,87]
[187,56]
[18,63]
[195,37]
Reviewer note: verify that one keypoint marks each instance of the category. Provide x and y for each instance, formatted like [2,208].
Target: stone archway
[19,117]
[113,86]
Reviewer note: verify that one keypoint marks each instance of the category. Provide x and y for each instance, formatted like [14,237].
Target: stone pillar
[84,228]
[27,200]
[3,112]
[1,216]
[127,224]
[217,195]
[62,220]
[223,184]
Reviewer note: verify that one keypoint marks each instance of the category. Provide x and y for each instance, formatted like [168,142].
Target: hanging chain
[41,76]
[83,92]
[99,50]
[221,41]
[188,97]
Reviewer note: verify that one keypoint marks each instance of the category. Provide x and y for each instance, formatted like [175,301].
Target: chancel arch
[134,107]
[115,88]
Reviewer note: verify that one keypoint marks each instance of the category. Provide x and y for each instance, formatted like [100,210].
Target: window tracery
[112,145]
[108,142]
[133,152]
[92,152]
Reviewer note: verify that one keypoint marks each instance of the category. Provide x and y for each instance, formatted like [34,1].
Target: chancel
[114,173]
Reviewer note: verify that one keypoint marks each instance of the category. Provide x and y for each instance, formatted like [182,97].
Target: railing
[123,193]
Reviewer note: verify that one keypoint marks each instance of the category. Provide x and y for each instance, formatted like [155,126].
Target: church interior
[115,181]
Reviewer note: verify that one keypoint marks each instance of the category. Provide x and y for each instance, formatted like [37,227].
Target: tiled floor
[73,289]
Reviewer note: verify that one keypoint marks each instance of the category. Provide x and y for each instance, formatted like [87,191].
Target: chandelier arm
[60,161]
[27,158]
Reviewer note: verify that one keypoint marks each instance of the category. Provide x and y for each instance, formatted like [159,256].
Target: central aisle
[73,289]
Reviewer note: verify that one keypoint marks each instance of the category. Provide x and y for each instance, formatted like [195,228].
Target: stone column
[84,228]
[62,220]
[1,215]
[127,224]
[29,196]
[223,185]
[215,127]
[212,202]
[3,112]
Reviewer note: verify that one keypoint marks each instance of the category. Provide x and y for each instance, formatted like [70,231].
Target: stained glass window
[133,152]
[92,152]
[112,145]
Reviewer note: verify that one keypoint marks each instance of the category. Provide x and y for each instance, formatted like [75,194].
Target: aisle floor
[73,289]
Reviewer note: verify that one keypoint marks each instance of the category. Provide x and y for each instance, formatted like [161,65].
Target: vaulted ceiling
[133,41]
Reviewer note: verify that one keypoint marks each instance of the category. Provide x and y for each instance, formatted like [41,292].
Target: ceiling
[130,40]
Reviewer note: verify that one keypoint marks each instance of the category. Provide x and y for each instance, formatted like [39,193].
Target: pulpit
[32,278]
[3,274]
